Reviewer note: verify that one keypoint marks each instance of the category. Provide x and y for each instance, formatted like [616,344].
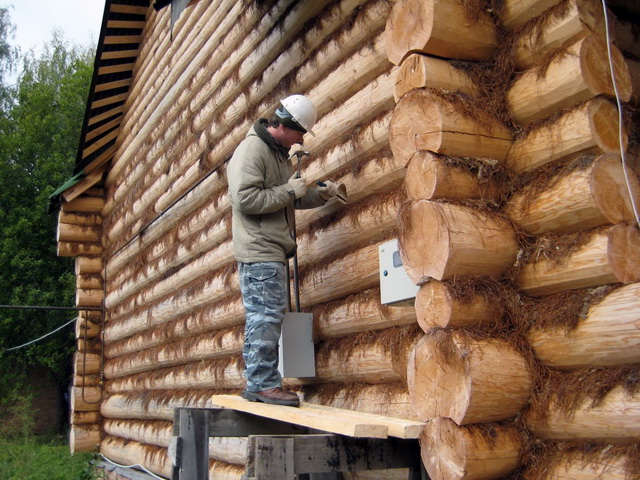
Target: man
[263,187]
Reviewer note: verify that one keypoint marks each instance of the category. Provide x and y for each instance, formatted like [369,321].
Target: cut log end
[624,245]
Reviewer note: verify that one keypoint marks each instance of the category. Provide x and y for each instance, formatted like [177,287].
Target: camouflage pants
[264,294]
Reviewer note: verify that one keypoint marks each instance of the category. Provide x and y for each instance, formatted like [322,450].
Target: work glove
[327,190]
[298,185]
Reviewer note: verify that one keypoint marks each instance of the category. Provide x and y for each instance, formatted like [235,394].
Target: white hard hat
[300,109]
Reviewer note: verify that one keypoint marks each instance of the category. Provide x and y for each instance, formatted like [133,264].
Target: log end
[408,29]
[603,117]
[623,248]
[610,190]
[594,61]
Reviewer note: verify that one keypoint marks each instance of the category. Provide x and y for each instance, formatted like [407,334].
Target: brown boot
[275,396]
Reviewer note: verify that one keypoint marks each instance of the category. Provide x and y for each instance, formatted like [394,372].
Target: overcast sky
[35,21]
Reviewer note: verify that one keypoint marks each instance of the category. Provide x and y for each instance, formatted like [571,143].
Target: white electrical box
[297,357]
[396,288]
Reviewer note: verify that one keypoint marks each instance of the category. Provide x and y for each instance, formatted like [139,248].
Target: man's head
[295,116]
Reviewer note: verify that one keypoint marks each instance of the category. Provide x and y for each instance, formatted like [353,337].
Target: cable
[620,117]
[44,336]
[132,467]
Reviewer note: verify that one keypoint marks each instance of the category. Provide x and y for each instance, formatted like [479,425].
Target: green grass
[33,459]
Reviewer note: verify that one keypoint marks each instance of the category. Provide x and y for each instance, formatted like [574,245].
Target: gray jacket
[263,202]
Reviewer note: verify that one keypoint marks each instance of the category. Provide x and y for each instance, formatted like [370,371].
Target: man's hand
[298,185]
[329,190]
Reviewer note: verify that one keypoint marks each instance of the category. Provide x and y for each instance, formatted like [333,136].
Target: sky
[35,20]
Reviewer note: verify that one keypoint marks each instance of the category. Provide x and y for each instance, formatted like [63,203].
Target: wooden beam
[101,87]
[124,67]
[109,100]
[307,417]
[102,159]
[119,54]
[122,39]
[103,128]
[108,114]
[97,145]
[126,24]
[132,9]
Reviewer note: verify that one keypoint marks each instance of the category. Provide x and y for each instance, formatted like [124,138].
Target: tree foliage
[40,123]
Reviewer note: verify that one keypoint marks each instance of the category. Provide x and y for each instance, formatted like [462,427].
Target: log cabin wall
[456,130]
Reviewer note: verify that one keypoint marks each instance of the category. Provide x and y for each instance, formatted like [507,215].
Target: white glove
[298,185]
[329,190]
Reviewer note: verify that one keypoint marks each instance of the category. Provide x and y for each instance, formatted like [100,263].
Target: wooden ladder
[312,442]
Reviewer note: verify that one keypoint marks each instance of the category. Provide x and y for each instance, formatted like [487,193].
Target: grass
[37,459]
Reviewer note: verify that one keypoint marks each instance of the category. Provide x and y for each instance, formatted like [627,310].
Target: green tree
[40,124]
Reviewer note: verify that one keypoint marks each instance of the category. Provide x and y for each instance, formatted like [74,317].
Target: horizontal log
[614,419]
[219,374]
[608,335]
[157,433]
[155,405]
[125,452]
[80,218]
[84,204]
[440,241]
[75,249]
[383,399]
[86,363]
[88,265]
[579,74]
[84,381]
[418,71]
[85,399]
[92,281]
[607,257]
[432,177]
[445,29]
[225,343]
[588,197]
[634,73]
[515,13]
[359,313]
[68,232]
[85,418]
[577,19]
[588,128]
[470,452]
[84,438]
[156,459]
[86,328]
[424,120]
[580,463]
[451,374]
[220,316]
[437,305]
[89,297]
[227,449]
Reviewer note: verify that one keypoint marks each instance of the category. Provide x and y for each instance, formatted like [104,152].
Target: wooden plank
[132,9]
[102,87]
[103,128]
[274,458]
[224,422]
[97,145]
[305,416]
[108,114]
[125,24]
[398,427]
[124,67]
[195,444]
[82,186]
[321,453]
[119,54]
[121,39]
[109,100]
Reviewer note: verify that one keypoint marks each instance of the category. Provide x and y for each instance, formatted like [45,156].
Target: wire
[132,467]
[620,116]
[44,336]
